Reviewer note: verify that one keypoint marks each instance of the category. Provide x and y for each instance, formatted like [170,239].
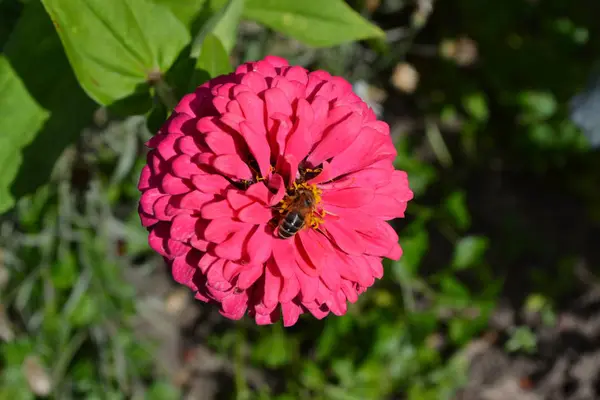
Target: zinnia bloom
[225,169]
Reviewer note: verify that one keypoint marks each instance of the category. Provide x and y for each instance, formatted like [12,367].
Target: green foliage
[85,83]
[116,47]
[314,22]
[20,120]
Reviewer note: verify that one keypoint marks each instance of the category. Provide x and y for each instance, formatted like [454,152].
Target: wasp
[301,206]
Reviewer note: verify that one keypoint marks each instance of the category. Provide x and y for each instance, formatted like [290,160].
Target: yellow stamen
[314,218]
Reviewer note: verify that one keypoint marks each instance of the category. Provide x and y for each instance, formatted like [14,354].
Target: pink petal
[331,278]
[277,183]
[291,312]
[193,200]
[253,109]
[319,312]
[349,198]
[157,239]
[259,147]
[148,198]
[296,73]
[259,245]
[160,208]
[320,106]
[303,260]
[375,265]
[179,123]
[277,102]
[345,237]
[206,261]
[217,209]
[183,227]
[266,319]
[238,199]
[395,253]
[232,165]
[385,207]
[368,148]
[144,181]
[291,288]
[173,185]
[336,140]
[183,167]
[259,192]
[349,291]
[184,268]
[232,269]
[308,286]
[146,220]
[223,143]
[164,145]
[284,256]
[360,267]
[278,132]
[255,213]
[255,81]
[199,244]
[314,249]
[337,303]
[276,61]
[234,306]
[288,167]
[249,276]
[272,285]
[207,124]
[219,229]
[324,176]
[299,142]
[215,278]
[232,248]
[187,145]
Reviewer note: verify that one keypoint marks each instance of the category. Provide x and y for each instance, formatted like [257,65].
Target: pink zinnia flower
[227,167]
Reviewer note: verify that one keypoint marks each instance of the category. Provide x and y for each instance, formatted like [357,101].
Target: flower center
[304,198]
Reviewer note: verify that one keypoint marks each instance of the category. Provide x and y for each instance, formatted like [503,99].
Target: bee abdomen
[290,225]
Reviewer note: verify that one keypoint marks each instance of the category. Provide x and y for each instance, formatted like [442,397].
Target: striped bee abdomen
[290,225]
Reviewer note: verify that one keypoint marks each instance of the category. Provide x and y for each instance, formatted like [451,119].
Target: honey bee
[294,219]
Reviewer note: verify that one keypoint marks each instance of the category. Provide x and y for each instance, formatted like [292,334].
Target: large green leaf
[116,46]
[223,24]
[20,119]
[186,10]
[321,23]
[212,61]
[42,107]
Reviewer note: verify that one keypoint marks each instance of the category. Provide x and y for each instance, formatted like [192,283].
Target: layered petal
[247,151]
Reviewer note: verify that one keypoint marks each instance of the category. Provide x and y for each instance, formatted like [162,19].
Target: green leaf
[116,46]
[312,376]
[186,11]
[85,312]
[163,391]
[317,23]
[521,339]
[212,61]
[274,349]
[476,106]
[223,24]
[469,251]
[456,205]
[414,248]
[538,105]
[42,110]
[20,119]
[64,271]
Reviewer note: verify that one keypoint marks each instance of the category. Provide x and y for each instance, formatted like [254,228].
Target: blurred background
[494,107]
